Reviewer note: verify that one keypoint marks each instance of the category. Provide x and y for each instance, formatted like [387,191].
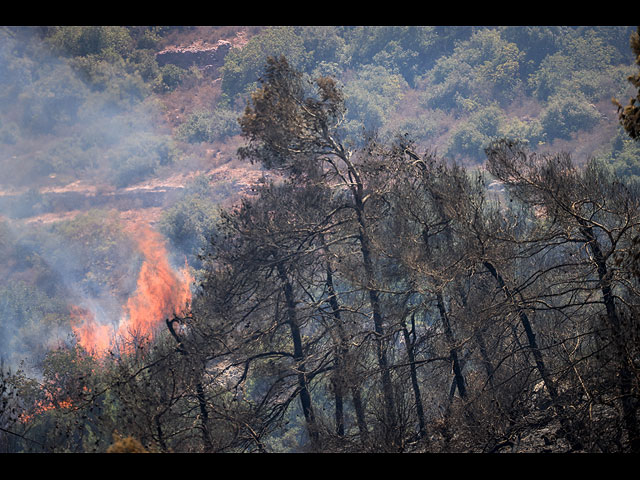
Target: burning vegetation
[365,295]
[161,293]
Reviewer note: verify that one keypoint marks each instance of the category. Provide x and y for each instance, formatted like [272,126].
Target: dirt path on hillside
[142,202]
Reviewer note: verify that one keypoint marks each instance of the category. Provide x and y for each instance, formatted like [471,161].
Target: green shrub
[566,114]
[484,67]
[371,96]
[208,126]
[623,158]
[192,221]
[139,156]
[472,136]
[87,40]
[243,66]
[171,77]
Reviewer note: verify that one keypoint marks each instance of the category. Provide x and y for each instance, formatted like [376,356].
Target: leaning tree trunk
[342,351]
[414,376]
[539,360]
[444,317]
[298,355]
[374,300]
[625,377]
[202,405]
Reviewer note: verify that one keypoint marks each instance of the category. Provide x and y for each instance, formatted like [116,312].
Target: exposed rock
[208,58]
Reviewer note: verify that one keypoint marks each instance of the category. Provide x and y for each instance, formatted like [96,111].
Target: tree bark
[202,405]
[539,360]
[414,378]
[374,300]
[453,353]
[341,356]
[625,377]
[298,355]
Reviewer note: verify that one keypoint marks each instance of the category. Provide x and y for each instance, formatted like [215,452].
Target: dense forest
[326,239]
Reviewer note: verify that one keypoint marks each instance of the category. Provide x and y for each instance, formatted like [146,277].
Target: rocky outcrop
[208,58]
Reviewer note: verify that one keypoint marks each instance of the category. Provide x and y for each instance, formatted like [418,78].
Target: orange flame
[90,334]
[161,293]
[52,402]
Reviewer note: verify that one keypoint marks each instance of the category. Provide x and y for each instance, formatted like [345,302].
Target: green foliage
[582,64]
[137,157]
[52,101]
[191,223]
[527,131]
[470,138]
[107,59]
[371,97]
[322,44]
[591,52]
[293,128]
[172,76]
[143,62]
[565,115]
[485,66]
[81,41]
[424,125]
[242,67]
[535,41]
[208,126]
[500,69]
[405,50]
[623,158]
[629,115]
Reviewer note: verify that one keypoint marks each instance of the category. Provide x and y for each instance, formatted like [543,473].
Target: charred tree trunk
[338,376]
[374,299]
[539,360]
[341,358]
[625,377]
[414,375]
[158,425]
[453,352]
[298,355]
[200,396]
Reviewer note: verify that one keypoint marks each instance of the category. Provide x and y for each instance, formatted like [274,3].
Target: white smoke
[57,131]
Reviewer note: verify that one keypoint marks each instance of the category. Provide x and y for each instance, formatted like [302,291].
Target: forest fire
[41,407]
[161,293]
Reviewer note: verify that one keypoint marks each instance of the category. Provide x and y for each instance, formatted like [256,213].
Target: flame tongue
[92,335]
[161,293]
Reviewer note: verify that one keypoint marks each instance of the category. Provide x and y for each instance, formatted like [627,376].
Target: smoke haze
[68,150]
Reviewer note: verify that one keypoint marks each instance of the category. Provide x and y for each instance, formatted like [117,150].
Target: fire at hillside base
[162,292]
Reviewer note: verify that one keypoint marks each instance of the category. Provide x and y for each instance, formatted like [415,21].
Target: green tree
[87,40]
[242,67]
[371,97]
[566,114]
[629,115]
[484,66]
[470,138]
[208,126]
